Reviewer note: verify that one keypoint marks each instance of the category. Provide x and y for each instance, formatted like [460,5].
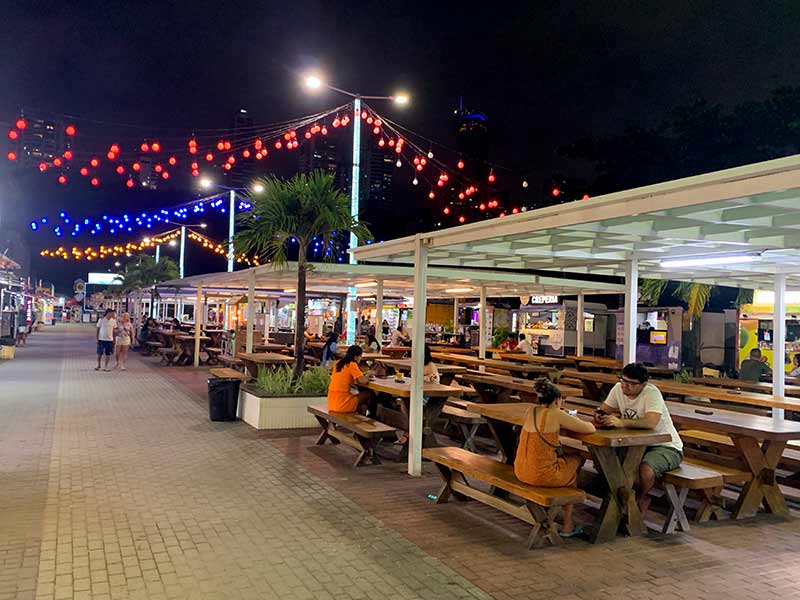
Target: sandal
[574,533]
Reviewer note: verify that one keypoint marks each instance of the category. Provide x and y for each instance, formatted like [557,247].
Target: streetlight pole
[158,252]
[231,222]
[183,248]
[355,187]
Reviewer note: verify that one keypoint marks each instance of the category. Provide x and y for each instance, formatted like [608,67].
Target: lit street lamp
[315,82]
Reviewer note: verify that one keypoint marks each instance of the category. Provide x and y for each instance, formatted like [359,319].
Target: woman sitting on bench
[343,393]
[540,457]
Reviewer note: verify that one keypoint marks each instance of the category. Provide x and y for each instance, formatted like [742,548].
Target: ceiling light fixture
[367,284]
[708,261]
[459,290]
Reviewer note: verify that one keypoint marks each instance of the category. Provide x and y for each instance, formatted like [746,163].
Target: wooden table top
[474,361]
[755,386]
[265,358]
[701,391]
[514,383]
[185,338]
[395,349]
[168,332]
[451,349]
[535,359]
[364,355]
[270,347]
[404,364]
[732,422]
[389,385]
[514,413]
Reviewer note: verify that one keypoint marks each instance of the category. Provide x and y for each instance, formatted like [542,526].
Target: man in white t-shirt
[105,338]
[636,404]
[524,346]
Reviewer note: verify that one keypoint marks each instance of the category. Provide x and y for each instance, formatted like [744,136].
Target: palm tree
[145,272]
[287,216]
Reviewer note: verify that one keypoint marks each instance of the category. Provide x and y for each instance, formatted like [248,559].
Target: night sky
[545,74]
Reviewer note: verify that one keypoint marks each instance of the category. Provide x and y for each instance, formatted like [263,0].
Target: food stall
[755,327]
[659,335]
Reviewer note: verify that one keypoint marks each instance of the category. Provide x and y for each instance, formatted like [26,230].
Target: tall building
[241,136]
[41,140]
[472,143]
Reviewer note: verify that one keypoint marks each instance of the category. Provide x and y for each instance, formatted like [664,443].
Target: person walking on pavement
[124,337]
[105,338]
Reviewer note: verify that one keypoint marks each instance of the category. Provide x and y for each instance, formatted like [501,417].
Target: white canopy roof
[747,217]
[334,278]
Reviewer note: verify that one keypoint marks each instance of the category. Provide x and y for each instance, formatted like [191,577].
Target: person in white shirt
[637,404]
[105,338]
[524,346]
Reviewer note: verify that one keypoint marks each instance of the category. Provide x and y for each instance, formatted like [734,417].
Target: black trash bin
[223,398]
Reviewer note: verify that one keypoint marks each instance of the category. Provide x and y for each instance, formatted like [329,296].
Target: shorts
[104,347]
[662,459]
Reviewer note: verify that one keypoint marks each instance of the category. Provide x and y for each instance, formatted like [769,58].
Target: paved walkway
[116,485]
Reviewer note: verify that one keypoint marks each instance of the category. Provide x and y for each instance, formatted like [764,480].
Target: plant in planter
[501,336]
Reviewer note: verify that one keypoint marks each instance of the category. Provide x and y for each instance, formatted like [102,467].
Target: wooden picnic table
[620,503]
[550,361]
[252,360]
[446,372]
[759,441]
[494,388]
[452,349]
[597,386]
[754,386]
[186,342]
[396,351]
[612,365]
[271,347]
[436,393]
[492,365]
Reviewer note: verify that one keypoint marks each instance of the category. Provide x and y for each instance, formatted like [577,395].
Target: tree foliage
[286,218]
[144,272]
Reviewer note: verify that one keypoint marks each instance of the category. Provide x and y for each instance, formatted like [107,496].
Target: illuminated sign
[544,299]
[105,279]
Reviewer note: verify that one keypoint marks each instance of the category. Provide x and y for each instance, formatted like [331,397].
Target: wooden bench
[168,355]
[677,484]
[541,505]
[213,354]
[467,422]
[230,361]
[228,373]
[152,347]
[713,504]
[352,429]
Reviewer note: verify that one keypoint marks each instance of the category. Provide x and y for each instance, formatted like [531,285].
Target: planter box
[276,412]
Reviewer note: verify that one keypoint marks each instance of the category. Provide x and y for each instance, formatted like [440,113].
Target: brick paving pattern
[116,485]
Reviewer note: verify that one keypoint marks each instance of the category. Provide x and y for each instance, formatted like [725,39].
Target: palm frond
[650,290]
[695,295]
[745,296]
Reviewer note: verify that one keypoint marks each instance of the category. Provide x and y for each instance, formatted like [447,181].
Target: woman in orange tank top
[540,460]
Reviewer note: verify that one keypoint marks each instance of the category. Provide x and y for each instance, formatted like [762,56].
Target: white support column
[379,309]
[231,228]
[417,356]
[267,304]
[352,317]
[198,322]
[455,315]
[183,250]
[779,342]
[482,335]
[629,316]
[251,312]
[579,326]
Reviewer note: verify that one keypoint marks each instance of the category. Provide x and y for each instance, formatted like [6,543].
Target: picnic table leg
[621,499]
[324,436]
[762,462]
[506,439]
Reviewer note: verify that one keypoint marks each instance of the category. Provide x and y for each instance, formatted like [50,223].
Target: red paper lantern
[172,160]
[461,219]
[258,143]
[144,147]
[70,130]
[58,162]
[95,181]
[21,124]
[114,148]
[514,210]
[398,148]
[111,156]
[293,133]
[94,162]
[391,143]
[363,114]
[192,142]
[586,196]
[226,146]
[12,134]
[165,175]
[460,164]
[461,195]
[120,169]
[195,166]
[278,144]
[420,167]
[431,195]
[155,147]
[136,166]
[369,120]
[195,173]
[129,183]
[295,144]
[68,154]
[440,183]
[84,171]
[192,149]
[446,210]
[62,179]
[336,122]
[376,130]
[287,136]
[491,177]
[231,159]
[381,143]
[246,153]
[308,135]
[482,206]
[43,166]
[227,166]
[502,214]
[209,157]
[158,168]
[324,131]
[556,192]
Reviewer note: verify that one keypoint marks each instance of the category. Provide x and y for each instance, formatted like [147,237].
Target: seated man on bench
[636,404]
[540,459]
[343,395]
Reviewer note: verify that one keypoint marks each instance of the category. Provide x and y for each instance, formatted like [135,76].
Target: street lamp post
[315,82]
